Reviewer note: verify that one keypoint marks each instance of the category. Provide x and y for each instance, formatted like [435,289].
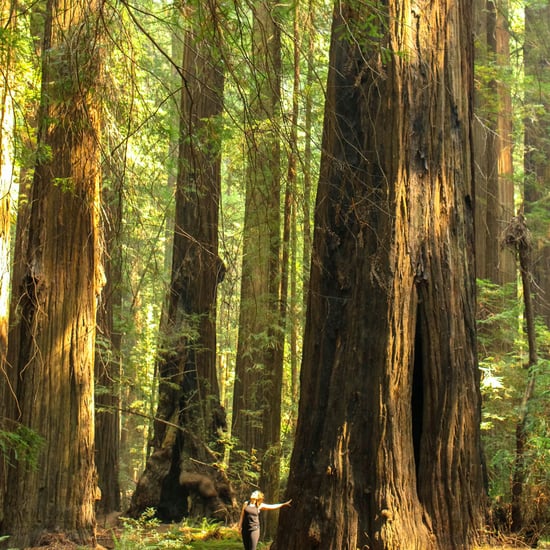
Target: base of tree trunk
[179,486]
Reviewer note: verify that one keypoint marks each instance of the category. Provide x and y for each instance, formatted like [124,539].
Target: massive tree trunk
[388,447]
[181,477]
[258,376]
[52,362]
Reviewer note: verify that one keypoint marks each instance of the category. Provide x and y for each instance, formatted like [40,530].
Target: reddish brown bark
[181,477]
[388,447]
[107,358]
[492,133]
[51,357]
[259,363]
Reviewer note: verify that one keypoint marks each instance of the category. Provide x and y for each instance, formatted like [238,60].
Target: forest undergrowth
[147,533]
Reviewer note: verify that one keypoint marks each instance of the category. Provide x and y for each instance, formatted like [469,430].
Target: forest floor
[113,534]
[110,541]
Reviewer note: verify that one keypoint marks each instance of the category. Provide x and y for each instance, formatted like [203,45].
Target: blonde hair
[256,496]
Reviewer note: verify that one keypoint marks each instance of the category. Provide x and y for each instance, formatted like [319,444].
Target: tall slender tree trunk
[56,296]
[293,182]
[519,239]
[387,450]
[532,246]
[108,368]
[7,24]
[8,377]
[506,265]
[537,150]
[493,143]
[305,25]
[181,477]
[308,156]
[258,376]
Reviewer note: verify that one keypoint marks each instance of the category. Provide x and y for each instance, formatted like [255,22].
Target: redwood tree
[537,151]
[387,447]
[7,22]
[181,477]
[533,248]
[50,363]
[258,370]
[108,346]
[492,133]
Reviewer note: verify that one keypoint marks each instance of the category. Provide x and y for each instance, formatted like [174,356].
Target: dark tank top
[251,520]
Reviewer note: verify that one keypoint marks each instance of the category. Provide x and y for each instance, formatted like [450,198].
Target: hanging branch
[518,237]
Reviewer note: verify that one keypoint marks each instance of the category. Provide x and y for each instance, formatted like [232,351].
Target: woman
[249,523]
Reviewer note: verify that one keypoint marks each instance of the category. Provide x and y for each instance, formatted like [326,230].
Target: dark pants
[250,539]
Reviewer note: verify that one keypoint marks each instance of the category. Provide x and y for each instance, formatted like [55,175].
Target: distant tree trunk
[305,26]
[387,448]
[537,149]
[493,143]
[289,218]
[7,22]
[56,296]
[293,181]
[308,121]
[258,376]
[181,477]
[532,247]
[8,378]
[519,239]
[506,271]
[108,369]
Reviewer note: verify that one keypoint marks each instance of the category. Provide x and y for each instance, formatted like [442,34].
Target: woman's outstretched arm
[266,506]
